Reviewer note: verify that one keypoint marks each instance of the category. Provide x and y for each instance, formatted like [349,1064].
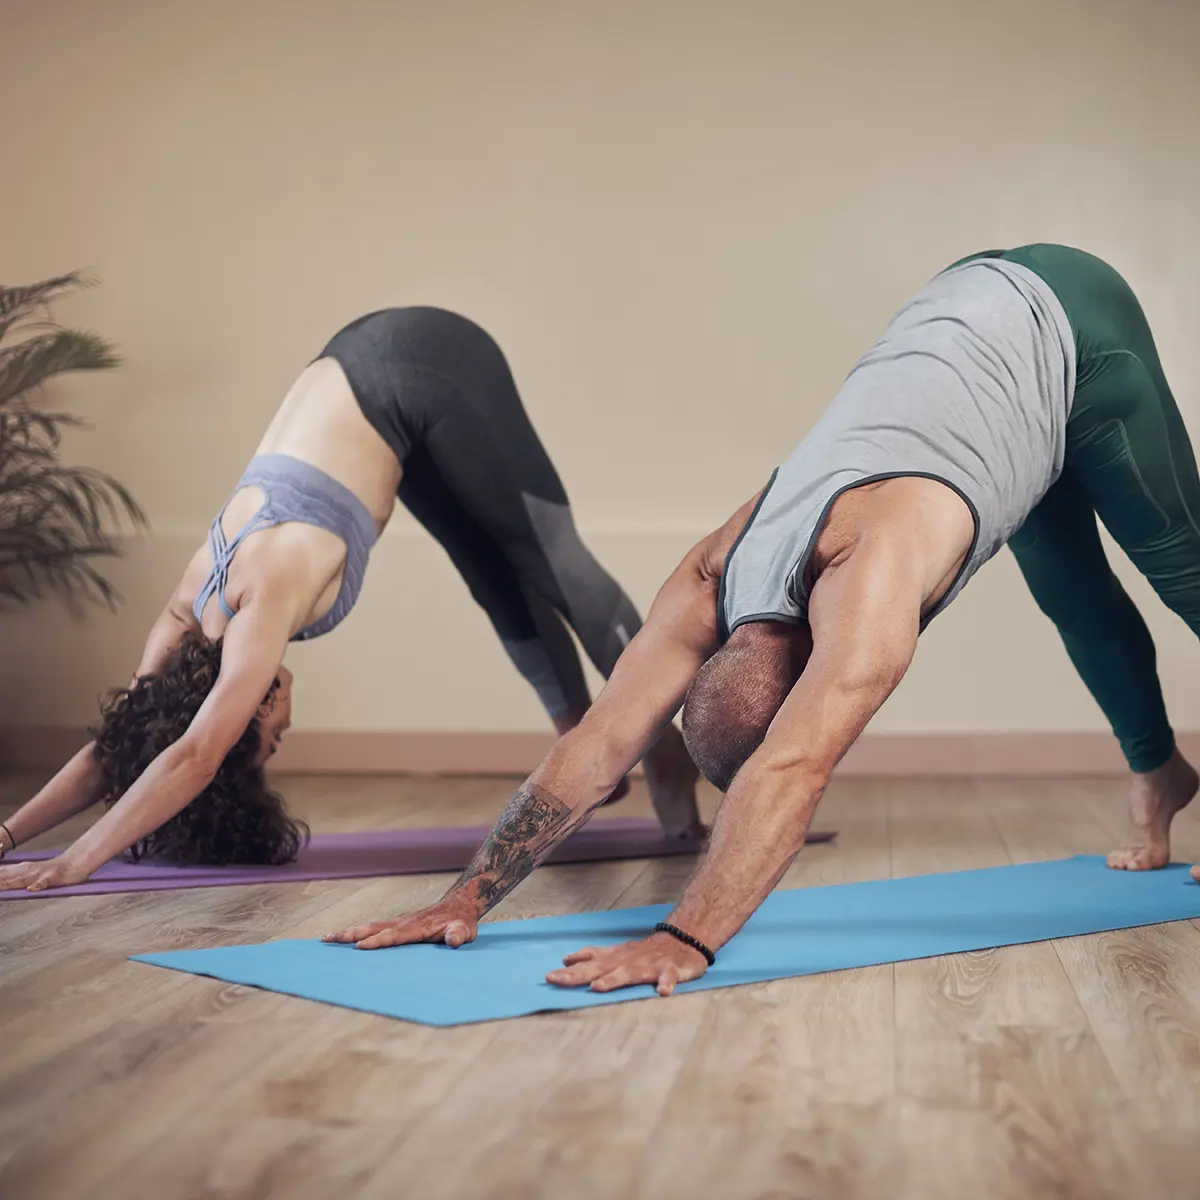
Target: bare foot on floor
[1153,802]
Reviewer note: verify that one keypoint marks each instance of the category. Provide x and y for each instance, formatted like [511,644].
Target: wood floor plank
[188,1019]
[313,1116]
[264,1094]
[153,1069]
[791,1081]
[56,952]
[791,1084]
[1139,988]
[1000,1074]
[555,1108]
[60,1019]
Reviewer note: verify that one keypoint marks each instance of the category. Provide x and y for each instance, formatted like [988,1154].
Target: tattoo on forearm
[529,826]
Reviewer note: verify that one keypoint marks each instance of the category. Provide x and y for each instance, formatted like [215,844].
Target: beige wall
[682,221]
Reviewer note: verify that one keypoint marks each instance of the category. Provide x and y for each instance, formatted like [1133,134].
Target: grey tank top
[294,490]
[971,384]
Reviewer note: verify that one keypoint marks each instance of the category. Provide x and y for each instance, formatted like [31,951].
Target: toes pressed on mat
[1141,859]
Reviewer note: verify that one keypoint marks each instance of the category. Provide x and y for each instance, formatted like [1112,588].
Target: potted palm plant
[56,520]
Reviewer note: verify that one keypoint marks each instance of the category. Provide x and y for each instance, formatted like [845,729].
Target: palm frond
[33,479]
[55,520]
[32,433]
[19,303]
[30,363]
[65,571]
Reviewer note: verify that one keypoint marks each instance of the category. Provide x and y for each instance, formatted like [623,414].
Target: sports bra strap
[221,552]
[294,491]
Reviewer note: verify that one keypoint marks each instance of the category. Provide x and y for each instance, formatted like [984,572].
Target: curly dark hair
[237,819]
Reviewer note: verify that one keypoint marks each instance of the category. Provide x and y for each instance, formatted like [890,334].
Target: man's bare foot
[1153,802]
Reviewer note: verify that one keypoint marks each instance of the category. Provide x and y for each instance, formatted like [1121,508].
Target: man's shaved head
[736,694]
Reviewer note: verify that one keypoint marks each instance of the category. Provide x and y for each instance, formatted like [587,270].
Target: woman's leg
[488,454]
[529,629]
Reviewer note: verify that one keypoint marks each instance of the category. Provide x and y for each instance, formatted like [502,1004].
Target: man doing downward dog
[1016,398]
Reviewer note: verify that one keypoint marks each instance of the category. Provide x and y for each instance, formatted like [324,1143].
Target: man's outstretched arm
[865,616]
[644,692]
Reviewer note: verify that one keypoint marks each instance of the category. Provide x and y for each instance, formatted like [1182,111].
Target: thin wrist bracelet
[687,940]
[12,841]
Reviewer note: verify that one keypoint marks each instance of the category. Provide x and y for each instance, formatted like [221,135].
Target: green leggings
[1130,463]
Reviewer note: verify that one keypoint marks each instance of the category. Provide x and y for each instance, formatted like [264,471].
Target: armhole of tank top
[952,590]
[723,631]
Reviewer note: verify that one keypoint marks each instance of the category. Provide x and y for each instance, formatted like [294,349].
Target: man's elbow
[784,792]
[789,770]
[585,766]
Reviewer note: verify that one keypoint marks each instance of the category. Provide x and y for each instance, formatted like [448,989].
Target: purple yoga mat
[372,852]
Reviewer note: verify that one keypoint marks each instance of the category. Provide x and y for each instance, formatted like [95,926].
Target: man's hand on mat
[38,876]
[447,921]
[659,960]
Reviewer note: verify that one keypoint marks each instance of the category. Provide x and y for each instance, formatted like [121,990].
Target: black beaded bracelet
[687,940]
[12,841]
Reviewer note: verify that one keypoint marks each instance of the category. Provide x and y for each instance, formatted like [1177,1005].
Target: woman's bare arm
[254,644]
[79,784]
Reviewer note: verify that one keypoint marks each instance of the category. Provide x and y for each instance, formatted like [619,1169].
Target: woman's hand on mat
[447,921]
[672,778]
[39,876]
[683,824]
[659,960]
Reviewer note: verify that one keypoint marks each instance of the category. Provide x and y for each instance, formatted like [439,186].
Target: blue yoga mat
[800,932]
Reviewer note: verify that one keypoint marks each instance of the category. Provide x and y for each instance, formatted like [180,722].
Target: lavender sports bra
[295,491]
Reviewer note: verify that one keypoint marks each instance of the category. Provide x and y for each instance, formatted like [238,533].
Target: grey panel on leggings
[533,660]
[600,612]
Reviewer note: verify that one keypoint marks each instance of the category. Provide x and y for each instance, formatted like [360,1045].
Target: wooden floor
[1068,1068]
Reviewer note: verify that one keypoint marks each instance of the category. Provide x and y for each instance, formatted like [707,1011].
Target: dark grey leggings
[438,390]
